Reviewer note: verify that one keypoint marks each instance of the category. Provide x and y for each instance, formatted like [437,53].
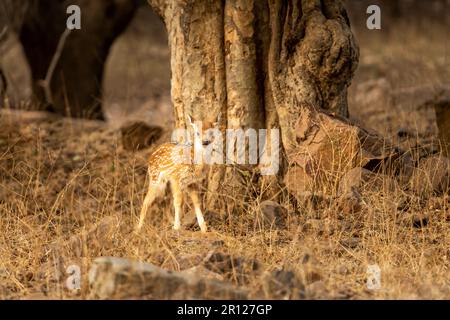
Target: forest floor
[60,178]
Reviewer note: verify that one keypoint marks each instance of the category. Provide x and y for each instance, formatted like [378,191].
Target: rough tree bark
[76,83]
[266,64]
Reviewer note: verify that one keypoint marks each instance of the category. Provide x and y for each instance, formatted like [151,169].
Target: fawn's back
[171,161]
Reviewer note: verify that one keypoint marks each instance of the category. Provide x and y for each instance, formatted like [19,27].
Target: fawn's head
[203,130]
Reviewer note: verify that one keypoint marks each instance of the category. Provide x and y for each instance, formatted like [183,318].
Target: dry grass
[59,177]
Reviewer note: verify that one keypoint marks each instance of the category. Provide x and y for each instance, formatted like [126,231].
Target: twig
[45,84]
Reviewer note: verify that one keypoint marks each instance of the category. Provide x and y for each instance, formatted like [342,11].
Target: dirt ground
[60,177]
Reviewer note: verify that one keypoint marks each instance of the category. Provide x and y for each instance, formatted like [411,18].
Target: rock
[297,181]
[138,135]
[316,290]
[355,178]
[303,187]
[117,278]
[403,168]
[329,150]
[323,153]
[419,221]
[272,214]
[185,261]
[365,180]
[201,271]
[351,243]
[238,268]
[350,203]
[282,284]
[431,176]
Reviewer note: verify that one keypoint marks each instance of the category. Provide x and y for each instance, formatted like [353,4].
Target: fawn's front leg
[177,203]
[198,211]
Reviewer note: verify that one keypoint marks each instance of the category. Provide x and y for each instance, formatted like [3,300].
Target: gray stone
[350,202]
[363,179]
[238,268]
[117,278]
[273,214]
[282,284]
[431,176]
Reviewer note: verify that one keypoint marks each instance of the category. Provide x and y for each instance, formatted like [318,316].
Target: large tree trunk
[264,64]
[75,87]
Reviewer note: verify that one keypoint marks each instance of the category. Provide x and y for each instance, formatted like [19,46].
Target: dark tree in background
[75,86]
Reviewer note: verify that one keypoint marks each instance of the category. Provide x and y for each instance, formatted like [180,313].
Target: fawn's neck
[198,146]
[198,150]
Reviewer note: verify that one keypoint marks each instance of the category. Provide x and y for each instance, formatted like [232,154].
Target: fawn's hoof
[176,227]
[137,229]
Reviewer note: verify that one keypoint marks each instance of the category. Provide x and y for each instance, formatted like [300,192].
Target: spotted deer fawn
[168,163]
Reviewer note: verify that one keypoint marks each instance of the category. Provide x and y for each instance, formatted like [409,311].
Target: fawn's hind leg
[198,211]
[177,203]
[152,193]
